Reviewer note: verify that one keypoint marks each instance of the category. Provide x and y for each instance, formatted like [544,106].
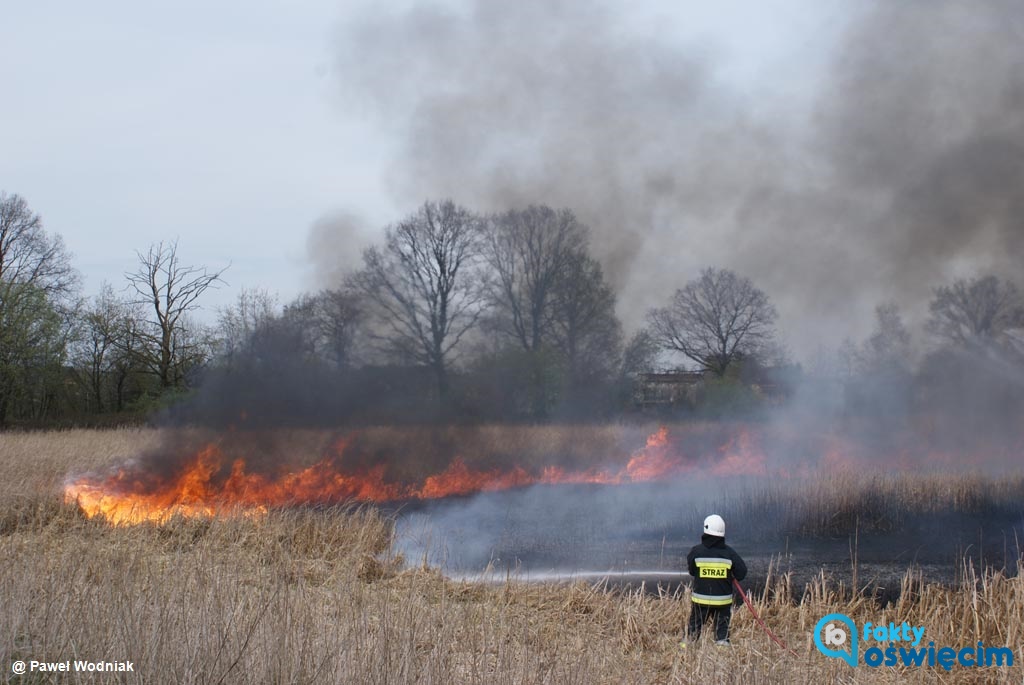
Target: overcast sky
[127,123]
[230,126]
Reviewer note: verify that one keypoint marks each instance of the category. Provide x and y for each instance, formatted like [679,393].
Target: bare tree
[640,354]
[95,348]
[107,349]
[28,255]
[332,321]
[715,320]
[36,287]
[529,252]
[976,312]
[130,346]
[847,358]
[171,289]
[423,285]
[237,324]
[194,345]
[888,347]
[584,325]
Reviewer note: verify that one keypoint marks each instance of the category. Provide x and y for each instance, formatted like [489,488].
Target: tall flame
[207,484]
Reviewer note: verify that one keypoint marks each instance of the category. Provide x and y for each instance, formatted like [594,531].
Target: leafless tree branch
[715,320]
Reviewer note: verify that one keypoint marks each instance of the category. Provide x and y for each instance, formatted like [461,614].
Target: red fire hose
[757,618]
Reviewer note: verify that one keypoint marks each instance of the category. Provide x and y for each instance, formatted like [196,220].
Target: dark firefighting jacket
[713,565]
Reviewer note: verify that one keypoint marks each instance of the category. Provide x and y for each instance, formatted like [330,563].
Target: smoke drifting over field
[906,170]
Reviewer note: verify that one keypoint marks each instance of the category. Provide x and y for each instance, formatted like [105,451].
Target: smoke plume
[904,171]
[330,231]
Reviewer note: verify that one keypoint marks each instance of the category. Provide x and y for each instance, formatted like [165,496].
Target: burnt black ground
[585,528]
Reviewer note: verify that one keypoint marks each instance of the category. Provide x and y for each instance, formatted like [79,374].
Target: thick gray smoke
[329,232]
[923,118]
[906,169]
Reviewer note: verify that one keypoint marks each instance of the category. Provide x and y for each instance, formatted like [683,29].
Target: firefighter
[712,565]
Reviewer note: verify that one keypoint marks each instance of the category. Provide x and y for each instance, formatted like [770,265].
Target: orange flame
[205,485]
[654,461]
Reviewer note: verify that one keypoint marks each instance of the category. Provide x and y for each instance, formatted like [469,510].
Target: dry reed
[316,596]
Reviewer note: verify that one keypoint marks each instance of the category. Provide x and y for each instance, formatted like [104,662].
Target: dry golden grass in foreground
[315,596]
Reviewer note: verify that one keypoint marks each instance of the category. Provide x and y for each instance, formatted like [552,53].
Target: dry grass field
[317,596]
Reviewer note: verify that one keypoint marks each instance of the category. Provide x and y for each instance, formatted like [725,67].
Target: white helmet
[714,525]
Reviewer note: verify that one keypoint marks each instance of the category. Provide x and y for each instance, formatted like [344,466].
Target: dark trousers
[700,613]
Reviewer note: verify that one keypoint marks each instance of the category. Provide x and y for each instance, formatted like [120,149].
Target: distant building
[668,389]
[688,389]
[773,383]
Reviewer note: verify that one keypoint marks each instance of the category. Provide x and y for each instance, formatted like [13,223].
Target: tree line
[454,313]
